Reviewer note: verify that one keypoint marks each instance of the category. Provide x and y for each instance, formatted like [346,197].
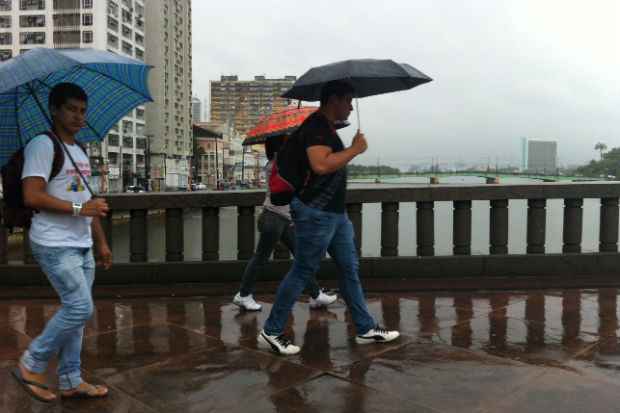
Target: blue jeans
[317,232]
[71,271]
[272,228]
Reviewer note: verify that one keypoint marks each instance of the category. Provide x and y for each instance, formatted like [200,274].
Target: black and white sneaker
[377,335]
[279,344]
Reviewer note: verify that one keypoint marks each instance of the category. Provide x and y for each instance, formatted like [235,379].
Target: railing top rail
[396,193]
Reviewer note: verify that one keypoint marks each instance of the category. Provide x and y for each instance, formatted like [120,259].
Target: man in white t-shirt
[61,238]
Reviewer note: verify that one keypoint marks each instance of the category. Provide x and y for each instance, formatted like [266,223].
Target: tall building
[113,25]
[169,120]
[542,156]
[241,103]
[196,110]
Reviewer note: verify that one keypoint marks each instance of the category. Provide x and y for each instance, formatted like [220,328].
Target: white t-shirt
[49,228]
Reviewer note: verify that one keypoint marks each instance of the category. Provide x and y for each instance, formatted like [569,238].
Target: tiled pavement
[535,351]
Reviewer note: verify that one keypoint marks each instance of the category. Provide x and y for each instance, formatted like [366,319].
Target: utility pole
[147,161]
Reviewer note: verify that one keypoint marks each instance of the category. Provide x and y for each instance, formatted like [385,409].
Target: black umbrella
[368,77]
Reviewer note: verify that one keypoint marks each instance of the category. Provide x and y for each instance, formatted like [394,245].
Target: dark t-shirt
[325,192]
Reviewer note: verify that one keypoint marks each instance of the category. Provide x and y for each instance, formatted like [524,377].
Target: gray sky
[503,69]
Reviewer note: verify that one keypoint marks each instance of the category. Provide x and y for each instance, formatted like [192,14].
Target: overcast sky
[502,69]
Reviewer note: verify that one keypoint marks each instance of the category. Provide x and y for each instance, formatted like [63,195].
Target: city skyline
[502,70]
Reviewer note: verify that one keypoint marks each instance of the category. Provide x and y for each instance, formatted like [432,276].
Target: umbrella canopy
[114,84]
[278,124]
[367,76]
[282,125]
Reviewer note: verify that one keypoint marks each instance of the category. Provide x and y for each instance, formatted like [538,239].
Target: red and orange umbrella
[278,124]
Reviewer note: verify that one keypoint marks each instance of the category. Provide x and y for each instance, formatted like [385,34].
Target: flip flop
[90,393]
[17,375]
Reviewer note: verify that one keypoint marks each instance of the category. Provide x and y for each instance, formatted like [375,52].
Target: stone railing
[498,268]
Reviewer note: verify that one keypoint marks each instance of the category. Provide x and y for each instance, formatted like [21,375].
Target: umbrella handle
[357,109]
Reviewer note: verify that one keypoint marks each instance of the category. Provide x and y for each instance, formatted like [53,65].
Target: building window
[139,39]
[5,22]
[66,38]
[32,4]
[112,8]
[87,4]
[6,5]
[113,140]
[67,20]
[127,3]
[32,38]
[127,127]
[127,48]
[22,51]
[126,32]
[32,21]
[5,55]
[139,54]
[113,156]
[112,24]
[112,40]
[126,16]
[87,19]
[87,36]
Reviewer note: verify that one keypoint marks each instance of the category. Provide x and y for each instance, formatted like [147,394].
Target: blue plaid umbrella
[114,85]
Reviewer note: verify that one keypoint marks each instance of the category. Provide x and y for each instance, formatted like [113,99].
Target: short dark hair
[273,145]
[339,88]
[62,92]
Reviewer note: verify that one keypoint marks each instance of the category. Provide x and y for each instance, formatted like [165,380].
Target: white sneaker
[322,300]
[279,344]
[377,335]
[247,303]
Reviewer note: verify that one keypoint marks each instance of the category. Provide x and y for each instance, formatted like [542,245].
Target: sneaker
[247,303]
[377,335]
[279,344]
[322,300]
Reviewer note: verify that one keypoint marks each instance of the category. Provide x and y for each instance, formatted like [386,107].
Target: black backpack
[15,213]
[290,172]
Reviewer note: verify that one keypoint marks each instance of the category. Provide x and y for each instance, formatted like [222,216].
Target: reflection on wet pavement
[485,352]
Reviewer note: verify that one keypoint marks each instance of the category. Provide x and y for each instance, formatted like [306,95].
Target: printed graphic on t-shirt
[76,184]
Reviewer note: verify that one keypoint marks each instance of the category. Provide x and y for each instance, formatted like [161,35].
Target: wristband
[77,208]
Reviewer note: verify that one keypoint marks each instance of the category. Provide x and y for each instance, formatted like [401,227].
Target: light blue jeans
[317,232]
[71,271]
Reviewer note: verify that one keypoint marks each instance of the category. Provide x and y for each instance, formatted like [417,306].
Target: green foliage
[608,165]
[360,170]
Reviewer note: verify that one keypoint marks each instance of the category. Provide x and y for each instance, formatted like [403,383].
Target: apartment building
[169,120]
[242,103]
[114,25]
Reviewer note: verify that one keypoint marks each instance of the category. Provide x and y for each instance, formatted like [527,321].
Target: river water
[371,231]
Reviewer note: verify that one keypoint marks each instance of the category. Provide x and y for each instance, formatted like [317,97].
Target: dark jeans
[272,228]
[317,232]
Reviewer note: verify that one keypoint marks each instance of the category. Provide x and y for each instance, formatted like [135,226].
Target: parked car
[135,189]
[199,187]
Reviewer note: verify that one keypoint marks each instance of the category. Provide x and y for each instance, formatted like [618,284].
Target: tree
[601,147]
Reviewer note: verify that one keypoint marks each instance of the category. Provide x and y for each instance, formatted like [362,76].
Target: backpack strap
[59,157]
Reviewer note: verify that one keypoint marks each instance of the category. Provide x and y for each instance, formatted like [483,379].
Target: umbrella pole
[357,109]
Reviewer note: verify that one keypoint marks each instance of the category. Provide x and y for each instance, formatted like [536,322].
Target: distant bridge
[485,175]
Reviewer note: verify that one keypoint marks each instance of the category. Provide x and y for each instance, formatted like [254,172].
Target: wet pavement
[534,351]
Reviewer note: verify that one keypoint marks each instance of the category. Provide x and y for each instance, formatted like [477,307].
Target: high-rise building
[196,110]
[113,25]
[241,103]
[169,120]
[542,156]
